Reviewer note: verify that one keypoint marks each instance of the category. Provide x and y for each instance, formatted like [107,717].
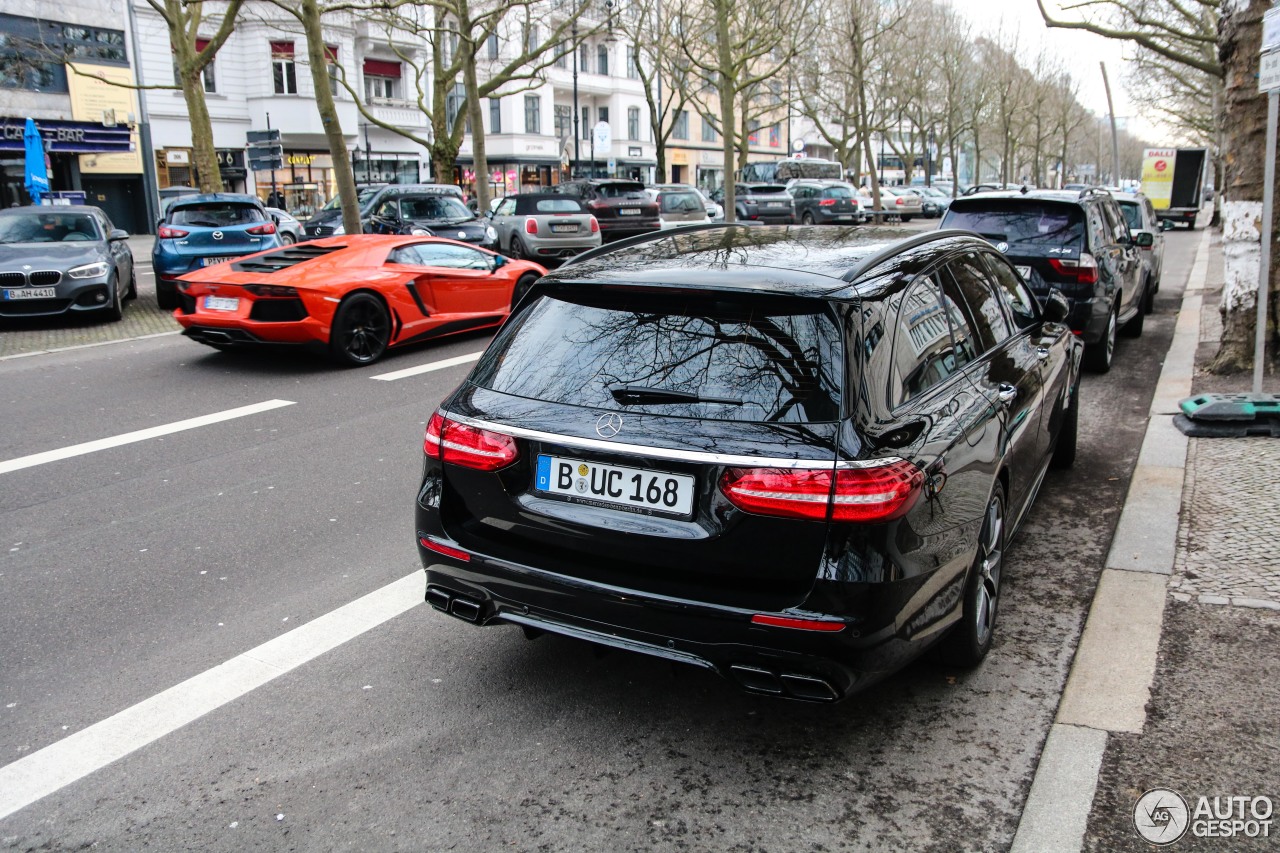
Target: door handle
[1006,393]
[1042,353]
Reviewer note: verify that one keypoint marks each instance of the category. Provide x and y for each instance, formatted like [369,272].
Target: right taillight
[1084,270]
[168,232]
[531,226]
[468,446]
[877,491]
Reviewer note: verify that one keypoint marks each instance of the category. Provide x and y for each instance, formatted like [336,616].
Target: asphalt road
[127,570]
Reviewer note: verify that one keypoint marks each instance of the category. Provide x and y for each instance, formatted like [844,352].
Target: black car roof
[807,261]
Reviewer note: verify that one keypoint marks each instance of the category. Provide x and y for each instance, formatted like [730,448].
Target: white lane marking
[42,773]
[87,346]
[139,435]
[427,368]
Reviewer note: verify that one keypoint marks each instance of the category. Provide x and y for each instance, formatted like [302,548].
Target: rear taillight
[597,204]
[1083,271]
[468,446]
[595,225]
[827,202]
[276,290]
[900,201]
[168,232]
[531,226]
[881,491]
[264,228]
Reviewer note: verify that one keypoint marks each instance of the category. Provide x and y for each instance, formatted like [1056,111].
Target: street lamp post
[574,48]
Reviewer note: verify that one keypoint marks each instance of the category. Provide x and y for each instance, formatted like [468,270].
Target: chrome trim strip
[695,456]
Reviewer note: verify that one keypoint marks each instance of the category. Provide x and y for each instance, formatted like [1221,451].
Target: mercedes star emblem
[217,235]
[609,425]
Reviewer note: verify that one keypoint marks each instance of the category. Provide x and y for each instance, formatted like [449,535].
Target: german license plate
[629,211]
[31,293]
[208,262]
[1025,272]
[843,218]
[221,303]
[564,229]
[775,204]
[599,484]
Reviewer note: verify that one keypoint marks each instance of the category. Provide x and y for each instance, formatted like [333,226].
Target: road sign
[265,150]
[272,135]
[1271,29]
[1269,72]
[602,138]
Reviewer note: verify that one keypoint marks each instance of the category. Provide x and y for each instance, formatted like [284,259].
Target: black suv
[821,202]
[622,207]
[328,220]
[1074,242]
[793,456]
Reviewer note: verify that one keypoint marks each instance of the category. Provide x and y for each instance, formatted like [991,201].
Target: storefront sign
[66,137]
[231,163]
[299,159]
[101,93]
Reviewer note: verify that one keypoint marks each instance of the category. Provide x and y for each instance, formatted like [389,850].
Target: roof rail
[1091,191]
[647,237]
[898,247]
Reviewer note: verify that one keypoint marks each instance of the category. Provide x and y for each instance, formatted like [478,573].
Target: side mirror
[1166,224]
[499,261]
[118,234]
[1145,239]
[1056,307]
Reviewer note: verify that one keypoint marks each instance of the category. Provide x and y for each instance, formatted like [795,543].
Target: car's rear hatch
[767,201]
[838,201]
[558,219]
[681,207]
[211,232]
[624,204]
[626,414]
[1043,238]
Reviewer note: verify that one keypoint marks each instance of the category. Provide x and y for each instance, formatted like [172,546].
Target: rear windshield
[557,205]
[764,189]
[1132,214]
[745,359]
[215,214]
[680,202]
[837,192]
[433,207]
[1021,221]
[620,190]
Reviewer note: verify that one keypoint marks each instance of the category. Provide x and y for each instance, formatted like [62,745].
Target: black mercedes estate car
[791,455]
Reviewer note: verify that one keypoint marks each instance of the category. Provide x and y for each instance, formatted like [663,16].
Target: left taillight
[264,228]
[878,491]
[168,232]
[468,446]
[595,225]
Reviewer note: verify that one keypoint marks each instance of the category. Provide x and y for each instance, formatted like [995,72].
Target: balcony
[398,112]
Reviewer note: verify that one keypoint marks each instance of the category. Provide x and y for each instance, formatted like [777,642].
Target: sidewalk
[1176,682]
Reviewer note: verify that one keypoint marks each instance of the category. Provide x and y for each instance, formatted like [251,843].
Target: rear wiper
[634,394]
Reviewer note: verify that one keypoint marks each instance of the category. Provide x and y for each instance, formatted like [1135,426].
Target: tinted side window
[923,355]
[970,286]
[1017,298]
[1114,221]
[440,255]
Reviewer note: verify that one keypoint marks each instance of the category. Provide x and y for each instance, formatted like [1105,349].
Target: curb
[1111,675]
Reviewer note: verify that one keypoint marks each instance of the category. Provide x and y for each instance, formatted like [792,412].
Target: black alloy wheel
[1133,328]
[518,252]
[1149,297]
[361,330]
[1064,447]
[521,288]
[114,312]
[970,640]
[807,219]
[1098,357]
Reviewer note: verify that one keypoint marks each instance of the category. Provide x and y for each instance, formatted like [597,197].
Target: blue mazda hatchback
[203,230]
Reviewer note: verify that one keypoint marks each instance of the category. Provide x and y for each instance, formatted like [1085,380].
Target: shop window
[283,70]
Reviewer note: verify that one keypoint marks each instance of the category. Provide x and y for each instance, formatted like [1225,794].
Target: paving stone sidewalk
[1213,720]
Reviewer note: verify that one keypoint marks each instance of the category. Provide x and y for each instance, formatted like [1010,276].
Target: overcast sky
[1080,52]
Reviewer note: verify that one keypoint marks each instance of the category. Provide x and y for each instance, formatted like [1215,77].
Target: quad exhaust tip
[790,684]
[465,608]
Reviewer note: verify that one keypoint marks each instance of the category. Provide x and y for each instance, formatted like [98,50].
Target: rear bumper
[822,666]
[616,230]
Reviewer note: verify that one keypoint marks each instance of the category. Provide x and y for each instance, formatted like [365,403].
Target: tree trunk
[309,14]
[1240,35]
[479,159]
[724,56]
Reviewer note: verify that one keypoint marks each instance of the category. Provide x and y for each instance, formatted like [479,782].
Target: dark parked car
[63,260]
[201,230]
[767,203]
[794,456]
[1075,243]
[431,215]
[327,221]
[622,208]
[822,202]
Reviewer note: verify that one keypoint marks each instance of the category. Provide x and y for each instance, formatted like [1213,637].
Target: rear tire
[1098,357]
[361,330]
[1133,328]
[518,252]
[521,288]
[968,642]
[807,219]
[1149,298]
[286,239]
[907,219]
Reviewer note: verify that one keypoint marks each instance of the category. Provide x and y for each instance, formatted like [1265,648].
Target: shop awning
[494,162]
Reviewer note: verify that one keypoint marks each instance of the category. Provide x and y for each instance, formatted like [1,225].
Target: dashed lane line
[42,773]
[138,435]
[427,368]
